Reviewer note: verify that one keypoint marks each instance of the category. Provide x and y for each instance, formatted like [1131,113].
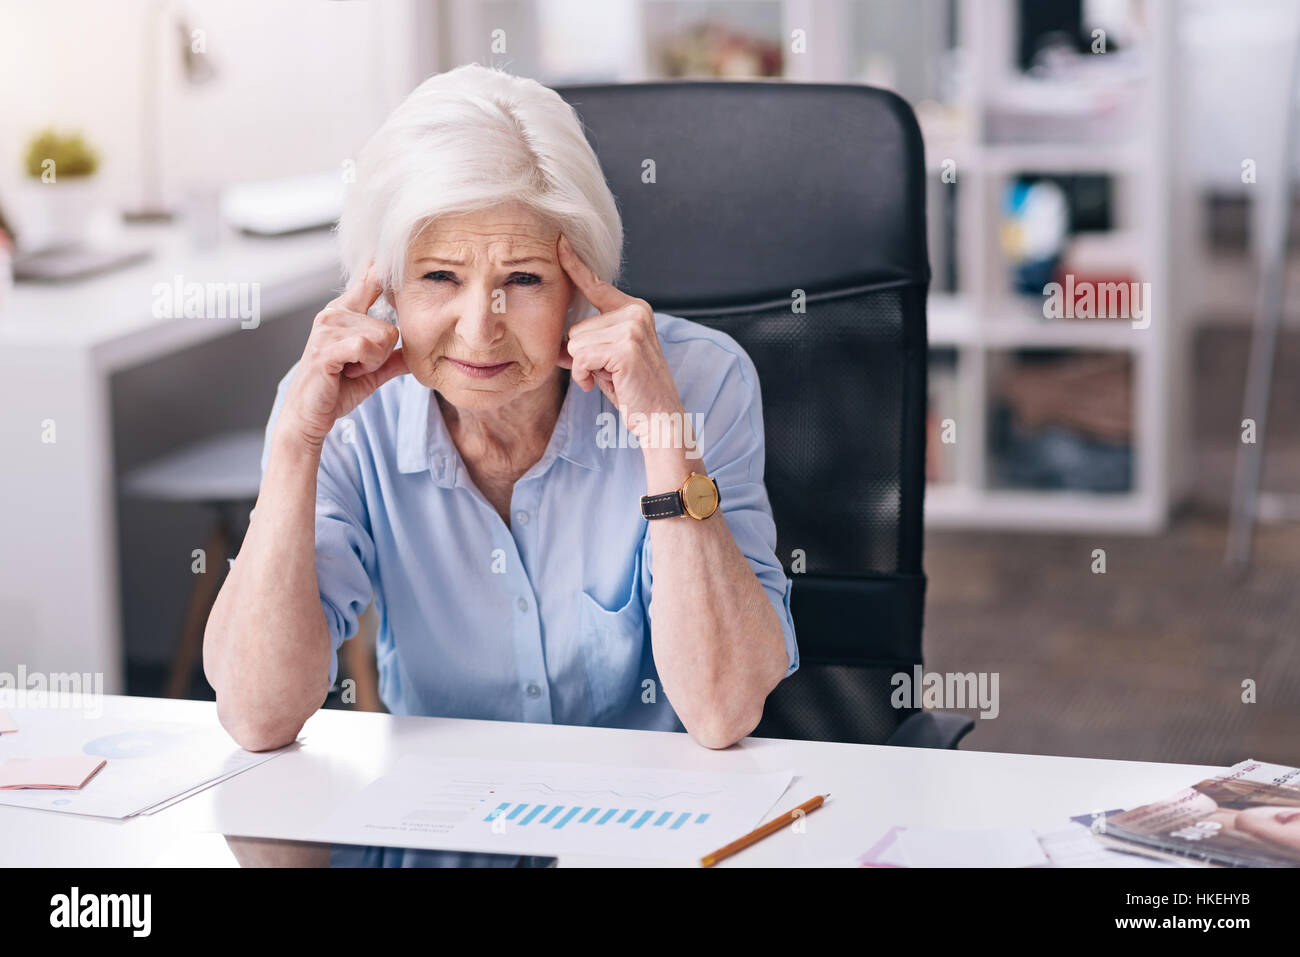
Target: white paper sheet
[511,807]
[149,763]
[1071,845]
[1000,847]
[177,798]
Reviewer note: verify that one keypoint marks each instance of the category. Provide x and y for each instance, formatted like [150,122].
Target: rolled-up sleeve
[345,550]
[731,439]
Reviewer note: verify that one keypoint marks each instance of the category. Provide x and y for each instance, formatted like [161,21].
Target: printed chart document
[148,765]
[514,807]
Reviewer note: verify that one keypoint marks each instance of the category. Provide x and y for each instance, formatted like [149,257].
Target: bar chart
[557,816]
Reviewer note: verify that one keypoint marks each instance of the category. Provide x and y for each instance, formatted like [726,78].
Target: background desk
[122,386]
[872,787]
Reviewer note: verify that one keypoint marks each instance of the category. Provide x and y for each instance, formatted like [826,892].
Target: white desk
[59,598]
[872,787]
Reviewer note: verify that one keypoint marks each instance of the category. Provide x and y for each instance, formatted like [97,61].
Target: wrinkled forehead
[501,236]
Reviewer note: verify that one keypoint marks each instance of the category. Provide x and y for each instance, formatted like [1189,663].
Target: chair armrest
[931,729]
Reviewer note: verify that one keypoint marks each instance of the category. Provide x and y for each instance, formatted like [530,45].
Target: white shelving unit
[983,318]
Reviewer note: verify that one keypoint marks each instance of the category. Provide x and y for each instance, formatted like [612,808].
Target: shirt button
[521,518]
[533,690]
[523,604]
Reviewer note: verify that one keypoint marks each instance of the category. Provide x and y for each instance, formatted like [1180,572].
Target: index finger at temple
[361,295]
[599,293]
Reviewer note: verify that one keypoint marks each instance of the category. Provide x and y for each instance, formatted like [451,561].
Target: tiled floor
[1145,662]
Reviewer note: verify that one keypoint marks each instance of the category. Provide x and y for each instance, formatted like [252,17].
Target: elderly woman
[457,461]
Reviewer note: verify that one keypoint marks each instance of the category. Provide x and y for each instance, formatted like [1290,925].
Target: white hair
[465,140]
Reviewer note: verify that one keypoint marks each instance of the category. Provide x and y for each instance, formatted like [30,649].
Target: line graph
[544,788]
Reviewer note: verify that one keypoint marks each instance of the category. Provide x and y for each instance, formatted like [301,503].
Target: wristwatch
[698,497]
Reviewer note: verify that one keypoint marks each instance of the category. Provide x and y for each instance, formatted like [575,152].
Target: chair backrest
[792,217]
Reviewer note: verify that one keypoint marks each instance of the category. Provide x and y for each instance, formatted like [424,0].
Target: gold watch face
[699,496]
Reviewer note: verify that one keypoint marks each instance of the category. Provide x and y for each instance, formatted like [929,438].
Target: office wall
[1233,84]
[296,85]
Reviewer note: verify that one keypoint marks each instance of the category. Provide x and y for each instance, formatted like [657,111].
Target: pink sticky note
[7,725]
[72,771]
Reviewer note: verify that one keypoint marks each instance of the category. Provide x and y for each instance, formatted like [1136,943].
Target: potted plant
[64,189]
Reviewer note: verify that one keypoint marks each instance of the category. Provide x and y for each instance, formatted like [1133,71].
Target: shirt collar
[423,442]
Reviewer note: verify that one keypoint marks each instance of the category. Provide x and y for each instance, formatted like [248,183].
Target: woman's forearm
[718,642]
[266,648]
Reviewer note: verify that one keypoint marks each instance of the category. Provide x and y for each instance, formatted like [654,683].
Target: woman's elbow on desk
[265,692]
[252,734]
[259,718]
[721,725]
[729,706]
[717,736]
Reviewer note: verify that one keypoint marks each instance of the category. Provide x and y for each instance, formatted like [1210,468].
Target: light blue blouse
[546,620]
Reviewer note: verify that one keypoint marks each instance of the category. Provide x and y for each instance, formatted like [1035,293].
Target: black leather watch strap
[667,505]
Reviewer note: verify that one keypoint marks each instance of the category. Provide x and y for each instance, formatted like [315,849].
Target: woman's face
[482,305]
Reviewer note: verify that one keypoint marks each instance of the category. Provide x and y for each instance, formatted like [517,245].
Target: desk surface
[340,752]
[111,315]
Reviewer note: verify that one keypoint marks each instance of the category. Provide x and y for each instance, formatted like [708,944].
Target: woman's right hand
[349,355]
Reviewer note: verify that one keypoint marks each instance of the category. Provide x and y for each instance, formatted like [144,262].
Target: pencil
[756,835]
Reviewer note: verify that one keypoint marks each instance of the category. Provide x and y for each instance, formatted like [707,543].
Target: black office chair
[761,189]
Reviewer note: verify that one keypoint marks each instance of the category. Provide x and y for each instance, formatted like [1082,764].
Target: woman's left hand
[617,350]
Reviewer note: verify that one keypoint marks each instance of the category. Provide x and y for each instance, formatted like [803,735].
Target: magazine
[1247,817]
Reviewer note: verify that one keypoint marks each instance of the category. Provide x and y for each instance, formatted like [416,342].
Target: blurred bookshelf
[1096,458]
[1015,99]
